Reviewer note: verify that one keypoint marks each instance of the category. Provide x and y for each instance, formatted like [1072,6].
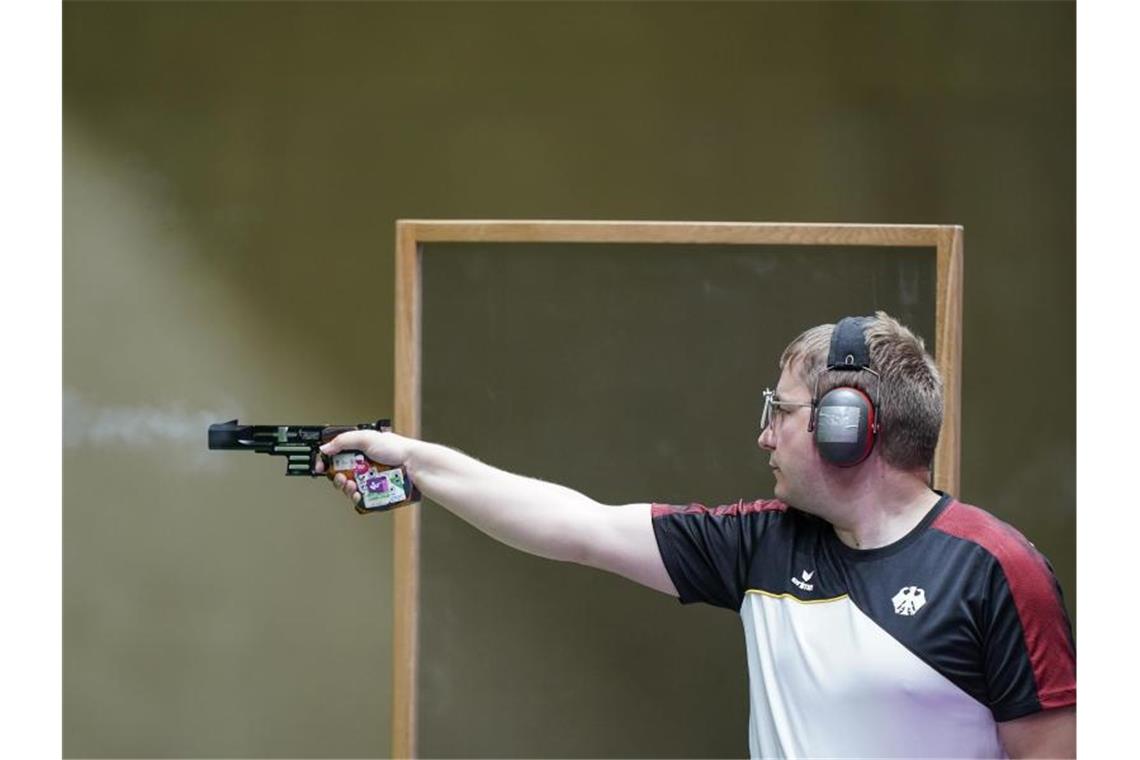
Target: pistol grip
[381,486]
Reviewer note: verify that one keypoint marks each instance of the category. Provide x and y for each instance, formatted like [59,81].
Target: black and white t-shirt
[916,649]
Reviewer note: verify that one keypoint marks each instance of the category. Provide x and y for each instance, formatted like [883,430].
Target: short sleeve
[1030,660]
[708,552]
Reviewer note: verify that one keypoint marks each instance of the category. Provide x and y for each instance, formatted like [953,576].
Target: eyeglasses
[773,407]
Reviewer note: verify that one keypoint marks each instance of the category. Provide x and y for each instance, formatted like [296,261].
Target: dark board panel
[631,373]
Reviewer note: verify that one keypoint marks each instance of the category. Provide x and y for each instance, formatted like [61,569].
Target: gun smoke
[91,425]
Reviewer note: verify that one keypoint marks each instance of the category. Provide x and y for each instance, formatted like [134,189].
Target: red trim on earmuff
[872,427]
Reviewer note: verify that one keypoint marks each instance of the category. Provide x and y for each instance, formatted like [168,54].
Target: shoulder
[1029,655]
[707,551]
[1024,598]
[1018,558]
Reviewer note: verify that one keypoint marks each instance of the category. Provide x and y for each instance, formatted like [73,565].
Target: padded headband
[849,349]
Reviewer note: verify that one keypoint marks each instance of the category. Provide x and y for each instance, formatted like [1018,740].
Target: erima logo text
[909,600]
[804,583]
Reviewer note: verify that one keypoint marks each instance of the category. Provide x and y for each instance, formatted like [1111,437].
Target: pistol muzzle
[228,435]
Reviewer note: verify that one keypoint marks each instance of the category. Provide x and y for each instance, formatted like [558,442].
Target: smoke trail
[86,424]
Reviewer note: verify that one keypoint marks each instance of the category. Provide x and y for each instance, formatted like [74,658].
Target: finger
[356,498]
[319,464]
[350,487]
[339,480]
[354,439]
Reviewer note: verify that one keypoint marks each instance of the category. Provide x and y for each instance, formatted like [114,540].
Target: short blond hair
[910,396]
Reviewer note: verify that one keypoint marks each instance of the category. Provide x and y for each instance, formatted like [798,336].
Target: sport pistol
[381,486]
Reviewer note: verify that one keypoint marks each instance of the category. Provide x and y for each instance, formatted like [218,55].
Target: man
[882,618]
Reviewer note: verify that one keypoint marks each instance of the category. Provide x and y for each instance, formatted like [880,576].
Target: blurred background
[232,177]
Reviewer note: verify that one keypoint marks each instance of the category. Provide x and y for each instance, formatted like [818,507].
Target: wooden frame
[412,234]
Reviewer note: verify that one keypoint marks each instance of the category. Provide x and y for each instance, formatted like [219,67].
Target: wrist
[410,452]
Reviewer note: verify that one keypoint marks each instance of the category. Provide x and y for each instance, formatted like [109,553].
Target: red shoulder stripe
[1032,587]
[741,507]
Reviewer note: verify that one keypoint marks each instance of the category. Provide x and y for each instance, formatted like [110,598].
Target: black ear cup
[844,422]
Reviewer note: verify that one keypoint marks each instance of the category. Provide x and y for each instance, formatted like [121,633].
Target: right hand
[385,448]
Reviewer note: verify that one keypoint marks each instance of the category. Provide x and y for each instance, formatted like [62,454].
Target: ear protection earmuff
[845,422]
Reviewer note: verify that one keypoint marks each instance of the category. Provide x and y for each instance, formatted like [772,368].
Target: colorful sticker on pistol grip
[345,460]
[379,488]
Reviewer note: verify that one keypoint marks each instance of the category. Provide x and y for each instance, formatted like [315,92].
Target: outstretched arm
[534,516]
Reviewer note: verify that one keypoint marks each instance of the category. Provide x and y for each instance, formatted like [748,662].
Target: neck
[880,506]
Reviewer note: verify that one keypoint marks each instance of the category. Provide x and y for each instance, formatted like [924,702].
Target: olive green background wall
[232,174]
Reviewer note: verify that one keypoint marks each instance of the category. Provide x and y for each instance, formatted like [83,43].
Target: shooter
[881,618]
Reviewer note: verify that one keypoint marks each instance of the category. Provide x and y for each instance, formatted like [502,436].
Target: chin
[785,495]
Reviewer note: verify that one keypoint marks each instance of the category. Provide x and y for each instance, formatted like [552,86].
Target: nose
[767,440]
